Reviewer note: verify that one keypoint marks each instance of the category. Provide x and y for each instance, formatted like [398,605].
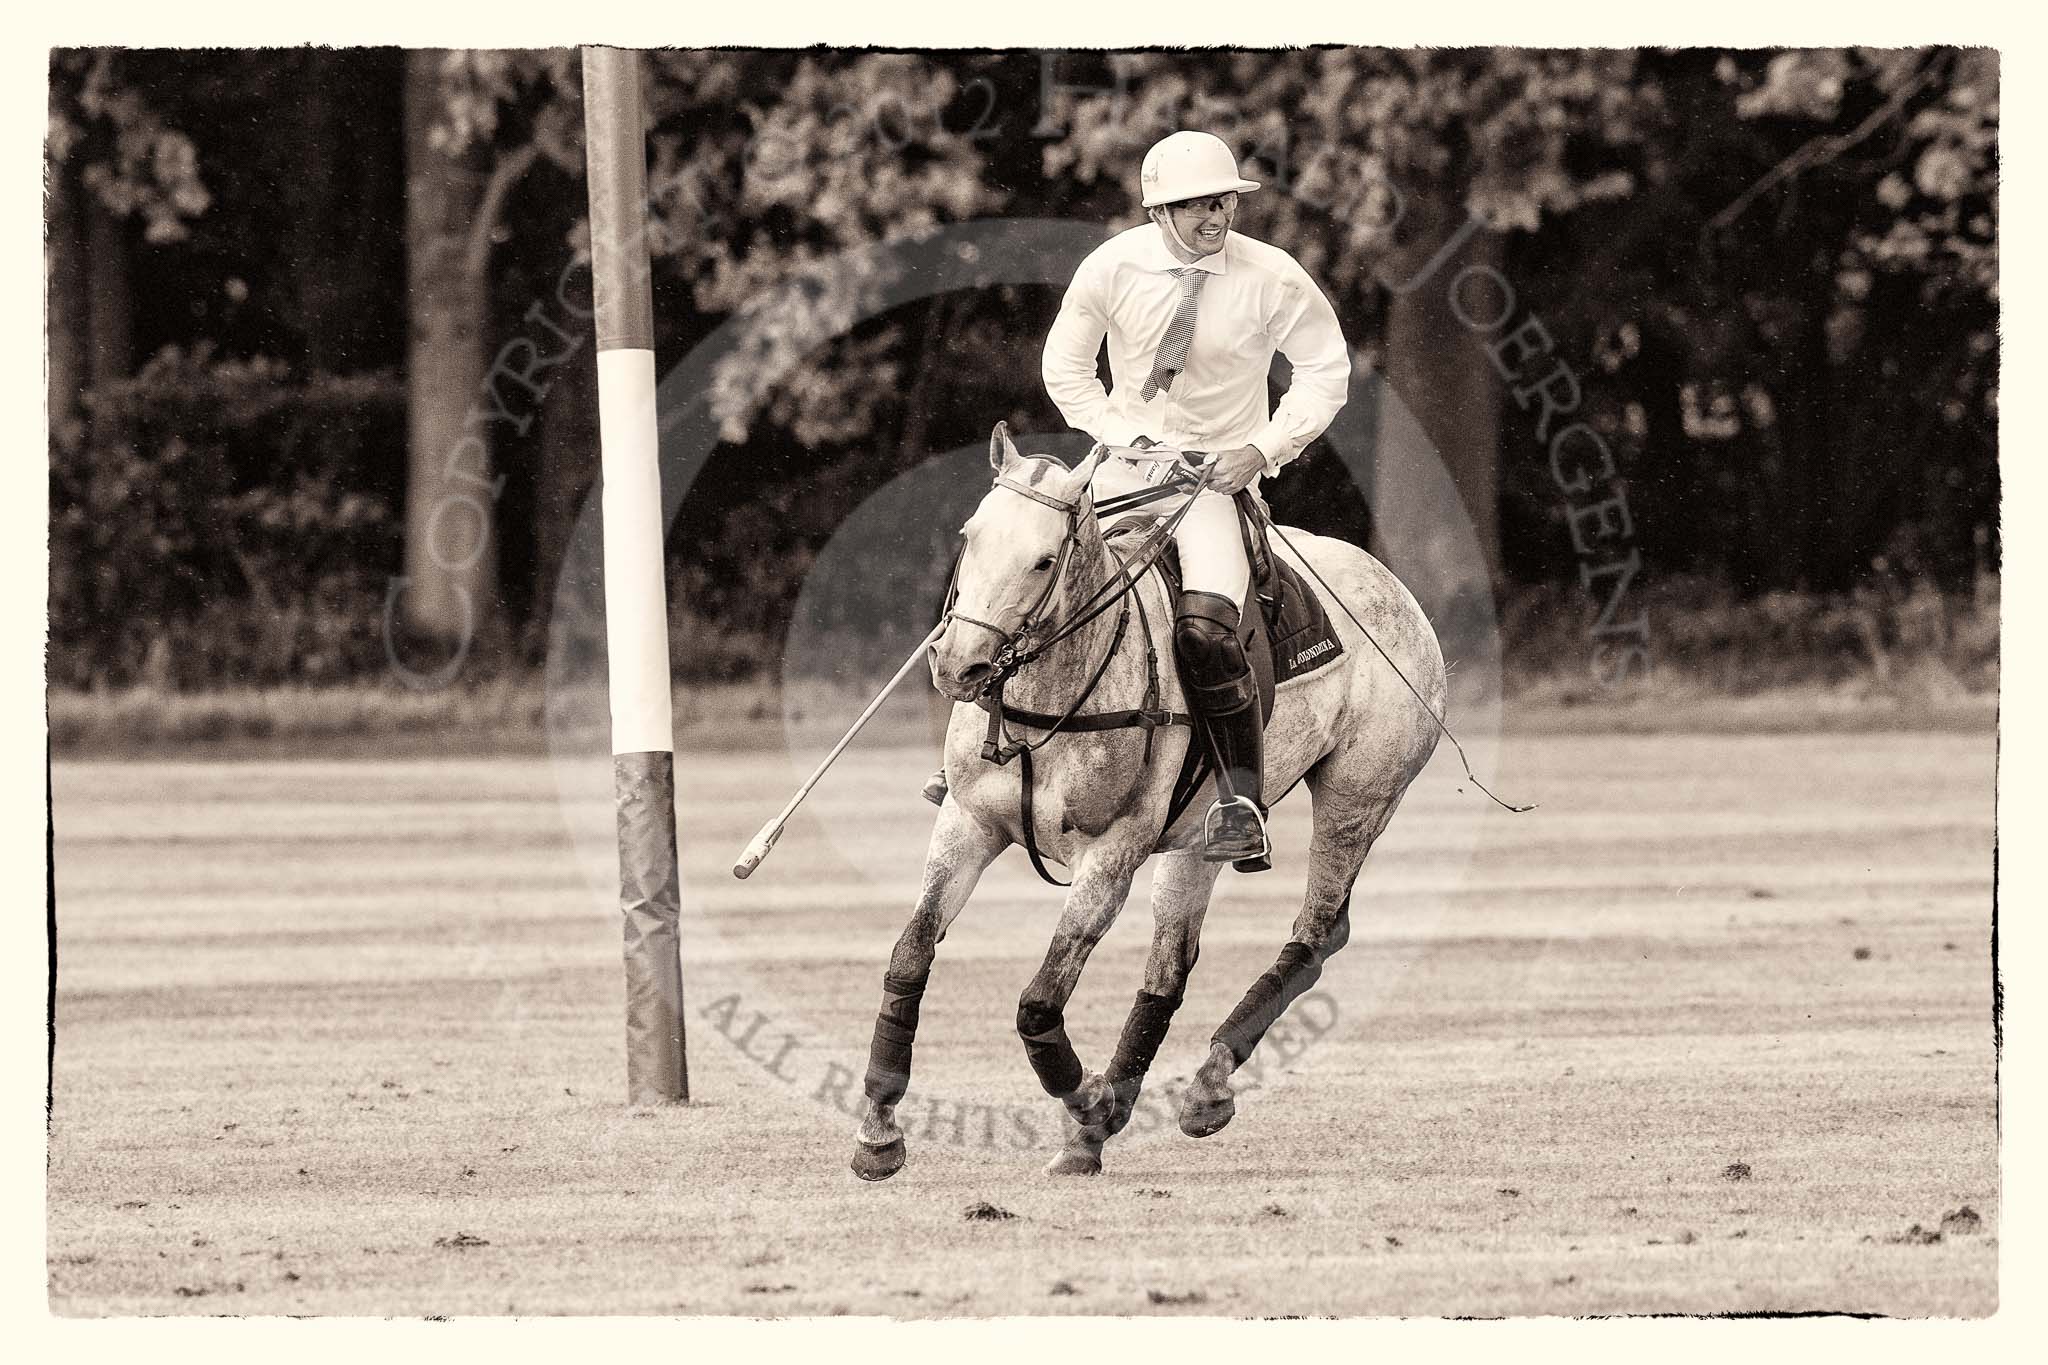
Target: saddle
[1289,634]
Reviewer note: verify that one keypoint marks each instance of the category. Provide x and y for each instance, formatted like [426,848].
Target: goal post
[635,595]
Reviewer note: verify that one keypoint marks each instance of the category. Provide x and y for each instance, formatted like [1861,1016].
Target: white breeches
[1211,545]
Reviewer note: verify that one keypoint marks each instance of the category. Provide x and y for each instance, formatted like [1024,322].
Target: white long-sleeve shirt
[1258,301]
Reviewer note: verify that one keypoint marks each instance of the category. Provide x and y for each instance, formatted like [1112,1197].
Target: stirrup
[1234,832]
[935,788]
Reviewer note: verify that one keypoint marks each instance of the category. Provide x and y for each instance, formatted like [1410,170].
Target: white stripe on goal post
[635,595]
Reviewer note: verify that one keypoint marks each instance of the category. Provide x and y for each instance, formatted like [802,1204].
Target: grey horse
[1353,733]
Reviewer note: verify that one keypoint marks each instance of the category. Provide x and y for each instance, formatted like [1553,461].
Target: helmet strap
[1164,216]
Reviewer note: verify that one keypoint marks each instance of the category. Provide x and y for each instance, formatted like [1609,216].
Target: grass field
[1708,1032]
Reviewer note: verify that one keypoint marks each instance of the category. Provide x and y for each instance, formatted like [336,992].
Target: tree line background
[278,283]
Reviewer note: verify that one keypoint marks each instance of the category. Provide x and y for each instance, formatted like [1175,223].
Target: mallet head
[757,850]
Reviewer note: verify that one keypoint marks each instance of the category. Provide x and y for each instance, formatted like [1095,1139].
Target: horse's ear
[1084,473]
[1002,451]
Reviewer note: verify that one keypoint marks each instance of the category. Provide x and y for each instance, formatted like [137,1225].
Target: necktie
[1173,347]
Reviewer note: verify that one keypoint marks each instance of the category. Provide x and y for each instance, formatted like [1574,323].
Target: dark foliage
[1773,273]
[213,525]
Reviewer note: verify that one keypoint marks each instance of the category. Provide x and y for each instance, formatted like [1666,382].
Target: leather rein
[1016,650]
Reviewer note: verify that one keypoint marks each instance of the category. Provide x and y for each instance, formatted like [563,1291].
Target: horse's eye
[1042,565]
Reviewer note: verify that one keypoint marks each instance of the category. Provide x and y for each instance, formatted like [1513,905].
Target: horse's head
[1014,555]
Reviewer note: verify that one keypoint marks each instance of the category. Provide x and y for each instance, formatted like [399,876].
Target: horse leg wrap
[1144,1031]
[1044,1030]
[1296,970]
[895,1030]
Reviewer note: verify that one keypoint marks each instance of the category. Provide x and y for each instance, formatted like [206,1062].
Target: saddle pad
[1304,641]
[1289,638]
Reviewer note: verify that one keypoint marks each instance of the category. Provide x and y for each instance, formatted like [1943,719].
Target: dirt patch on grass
[1916,1236]
[1165,1298]
[981,1211]
[1964,1221]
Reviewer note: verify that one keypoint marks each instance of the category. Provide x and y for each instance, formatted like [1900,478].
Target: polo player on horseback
[1193,313]
[1193,316]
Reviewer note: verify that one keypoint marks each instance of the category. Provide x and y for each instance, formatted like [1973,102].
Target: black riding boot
[1225,699]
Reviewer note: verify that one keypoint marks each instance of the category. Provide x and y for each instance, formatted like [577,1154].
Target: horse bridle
[1010,655]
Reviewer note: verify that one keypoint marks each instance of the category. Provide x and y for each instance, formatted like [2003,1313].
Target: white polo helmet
[1188,165]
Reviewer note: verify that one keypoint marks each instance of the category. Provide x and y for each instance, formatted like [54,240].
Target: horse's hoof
[1097,1102]
[1119,1118]
[1208,1105]
[878,1163]
[1071,1162]
[1202,1117]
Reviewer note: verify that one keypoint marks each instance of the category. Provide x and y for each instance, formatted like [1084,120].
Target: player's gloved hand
[1234,470]
[1142,443]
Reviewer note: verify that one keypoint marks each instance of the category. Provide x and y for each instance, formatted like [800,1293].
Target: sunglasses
[1215,203]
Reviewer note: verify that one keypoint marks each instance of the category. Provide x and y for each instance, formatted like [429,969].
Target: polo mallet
[770,832]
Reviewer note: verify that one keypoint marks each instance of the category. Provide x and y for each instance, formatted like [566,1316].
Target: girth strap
[1145,718]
